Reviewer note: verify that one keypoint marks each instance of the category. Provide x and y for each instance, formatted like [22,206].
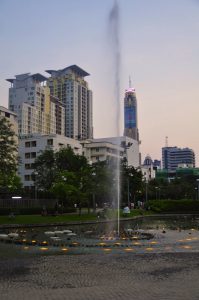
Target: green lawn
[37,219]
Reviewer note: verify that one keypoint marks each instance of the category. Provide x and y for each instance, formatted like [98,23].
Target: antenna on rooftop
[130,81]
[166,141]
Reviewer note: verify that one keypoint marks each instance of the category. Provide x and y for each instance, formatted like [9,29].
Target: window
[27,177]
[33,143]
[33,154]
[27,155]
[50,142]
[27,144]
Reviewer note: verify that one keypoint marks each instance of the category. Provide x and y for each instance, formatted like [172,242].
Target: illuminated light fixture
[75,243]
[43,248]
[128,249]
[153,242]
[26,248]
[24,240]
[149,249]
[136,243]
[64,249]
[192,229]
[186,247]
[34,242]
[44,243]
[16,197]
[107,249]
[117,244]
[135,237]
[102,244]
[188,239]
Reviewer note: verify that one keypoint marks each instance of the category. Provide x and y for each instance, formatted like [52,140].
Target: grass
[37,219]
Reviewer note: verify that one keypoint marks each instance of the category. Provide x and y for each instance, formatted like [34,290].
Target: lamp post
[62,204]
[93,195]
[35,173]
[156,192]
[198,187]
[128,189]
[146,190]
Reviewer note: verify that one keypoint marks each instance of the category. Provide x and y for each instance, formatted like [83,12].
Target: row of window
[31,144]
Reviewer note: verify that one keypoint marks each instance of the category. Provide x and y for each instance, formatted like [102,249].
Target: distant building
[69,86]
[11,117]
[172,157]
[128,146]
[148,169]
[30,147]
[97,151]
[37,111]
[130,114]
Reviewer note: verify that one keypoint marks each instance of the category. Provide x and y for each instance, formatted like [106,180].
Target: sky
[159,49]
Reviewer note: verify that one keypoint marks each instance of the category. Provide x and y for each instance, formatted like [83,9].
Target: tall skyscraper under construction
[130,114]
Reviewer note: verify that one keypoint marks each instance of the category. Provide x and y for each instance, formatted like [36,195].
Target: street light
[146,191]
[35,173]
[94,204]
[156,192]
[128,189]
[198,187]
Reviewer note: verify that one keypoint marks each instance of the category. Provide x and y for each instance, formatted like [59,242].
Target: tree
[45,170]
[8,156]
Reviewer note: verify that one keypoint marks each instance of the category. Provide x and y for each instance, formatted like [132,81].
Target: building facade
[172,157]
[97,151]
[30,147]
[11,117]
[130,148]
[72,90]
[36,110]
[130,114]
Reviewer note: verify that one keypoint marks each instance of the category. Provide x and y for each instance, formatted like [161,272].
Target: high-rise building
[11,117]
[172,157]
[69,86]
[130,114]
[36,110]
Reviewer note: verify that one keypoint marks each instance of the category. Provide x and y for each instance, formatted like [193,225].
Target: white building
[128,146]
[30,147]
[101,151]
[70,87]
[36,110]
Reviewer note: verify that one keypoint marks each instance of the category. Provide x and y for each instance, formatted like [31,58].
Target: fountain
[115,49]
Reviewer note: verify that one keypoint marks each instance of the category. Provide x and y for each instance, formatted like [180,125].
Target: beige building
[36,110]
[72,89]
[11,117]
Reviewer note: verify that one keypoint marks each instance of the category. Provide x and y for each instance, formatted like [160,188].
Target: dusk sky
[159,49]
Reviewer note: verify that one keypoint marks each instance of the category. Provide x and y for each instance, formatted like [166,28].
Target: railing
[26,203]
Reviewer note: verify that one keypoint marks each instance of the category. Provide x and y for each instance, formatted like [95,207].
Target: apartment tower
[69,86]
[36,109]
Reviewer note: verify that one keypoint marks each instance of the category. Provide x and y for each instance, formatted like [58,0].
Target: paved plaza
[162,276]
